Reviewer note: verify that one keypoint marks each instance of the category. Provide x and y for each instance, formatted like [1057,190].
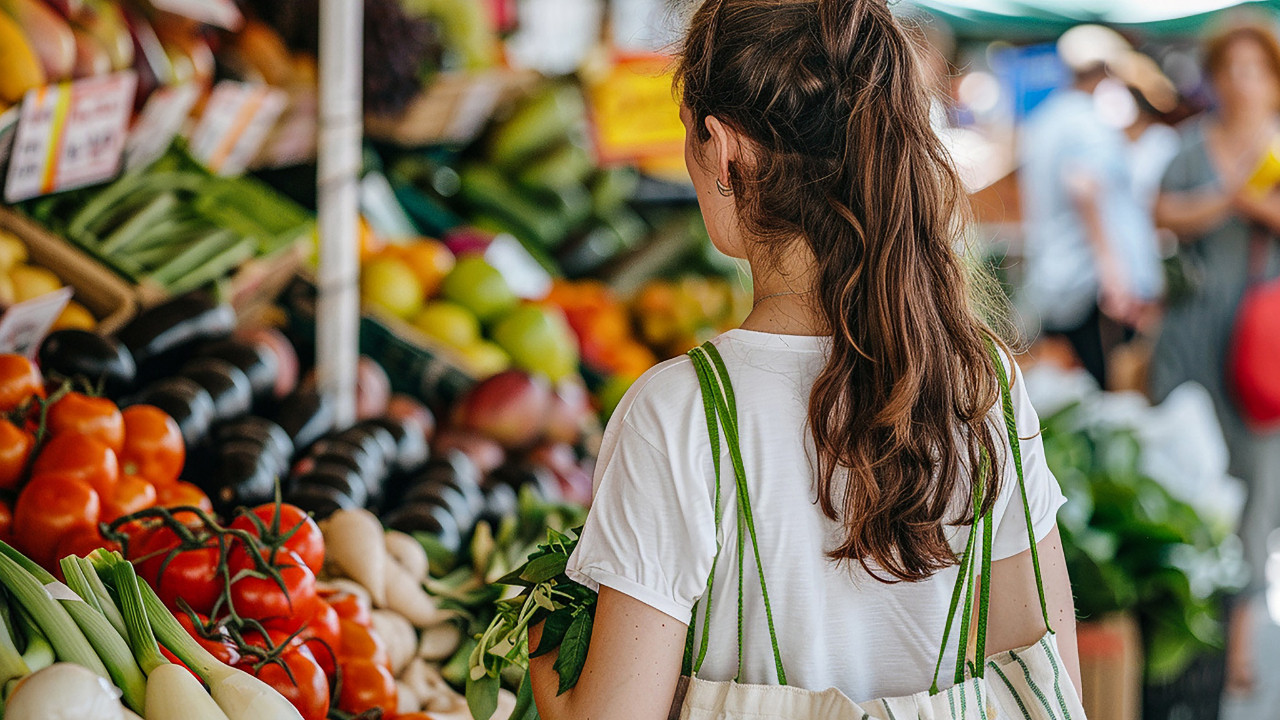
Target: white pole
[338,160]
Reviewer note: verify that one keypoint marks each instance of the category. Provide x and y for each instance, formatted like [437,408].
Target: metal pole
[338,161]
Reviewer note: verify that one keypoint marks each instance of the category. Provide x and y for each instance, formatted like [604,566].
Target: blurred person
[1090,244]
[1203,201]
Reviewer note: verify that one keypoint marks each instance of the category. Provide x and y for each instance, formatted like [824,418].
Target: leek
[38,653]
[88,584]
[12,665]
[68,641]
[135,618]
[173,693]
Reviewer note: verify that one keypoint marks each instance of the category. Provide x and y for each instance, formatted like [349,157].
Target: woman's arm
[1192,214]
[1263,210]
[1015,606]
[632,668]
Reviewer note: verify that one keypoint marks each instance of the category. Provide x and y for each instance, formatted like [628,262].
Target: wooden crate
[1111,667]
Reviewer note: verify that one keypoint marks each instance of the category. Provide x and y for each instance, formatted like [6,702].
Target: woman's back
[651,531]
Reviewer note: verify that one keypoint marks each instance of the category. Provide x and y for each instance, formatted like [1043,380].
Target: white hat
[1085,47]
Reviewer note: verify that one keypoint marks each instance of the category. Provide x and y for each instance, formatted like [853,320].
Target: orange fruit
[430,260]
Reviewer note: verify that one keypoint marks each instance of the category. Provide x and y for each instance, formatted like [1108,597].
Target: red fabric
[1254,363]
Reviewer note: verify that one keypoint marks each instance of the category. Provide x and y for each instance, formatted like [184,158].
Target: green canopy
[1032,19]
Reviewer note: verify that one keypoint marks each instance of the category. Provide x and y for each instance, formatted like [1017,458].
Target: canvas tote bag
[1028,683]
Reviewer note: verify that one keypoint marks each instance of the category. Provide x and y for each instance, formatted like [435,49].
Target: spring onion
[11,663]
[38,653]
[84,580]
[64,691]
[173,693]
[240,695]
[68,641]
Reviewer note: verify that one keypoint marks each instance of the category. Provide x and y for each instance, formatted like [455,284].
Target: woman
[863,380]
[1203,201]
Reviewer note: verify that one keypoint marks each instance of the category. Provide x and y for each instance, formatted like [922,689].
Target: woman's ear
[724,149]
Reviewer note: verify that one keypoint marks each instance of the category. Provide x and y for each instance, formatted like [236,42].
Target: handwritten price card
[161,120]
[236,121]
[70,134]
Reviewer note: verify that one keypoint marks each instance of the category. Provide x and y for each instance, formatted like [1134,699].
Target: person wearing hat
[1090,242]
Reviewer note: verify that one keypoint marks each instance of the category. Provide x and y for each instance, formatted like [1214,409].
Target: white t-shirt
[651,531]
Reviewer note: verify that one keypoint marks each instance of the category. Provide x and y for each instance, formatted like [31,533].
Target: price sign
[70,134]
[221,13]
[635,117]
[25,324]
[236,120]
[161,120]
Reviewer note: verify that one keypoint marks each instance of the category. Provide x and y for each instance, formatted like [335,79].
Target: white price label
[161,120]
[235,122]
[221,13]
[25,324]
[70,134]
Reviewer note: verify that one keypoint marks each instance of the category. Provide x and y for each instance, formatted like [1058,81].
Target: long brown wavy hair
[841,156]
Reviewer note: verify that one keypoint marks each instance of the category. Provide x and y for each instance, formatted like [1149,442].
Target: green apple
[539,339]
[449,323]
[485,358]
[391,285]
[479,287]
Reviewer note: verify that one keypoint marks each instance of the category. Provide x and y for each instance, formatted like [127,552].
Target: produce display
[20,280]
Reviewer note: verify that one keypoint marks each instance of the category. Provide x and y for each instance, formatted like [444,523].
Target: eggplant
[260,430]
[69,354]
[335,475]
[386,440]
[426,518]
[377,441]
[344,452]
[500,502]
[162,335]
[448,497]
[268,456]
[462,467]
[255,360]
[527,475]
[226,383]
[186,401]
[305,416]
[412,451]
[443,477]
[243,477]
[319,500]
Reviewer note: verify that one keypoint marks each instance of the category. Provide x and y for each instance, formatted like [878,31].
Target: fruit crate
[111,300]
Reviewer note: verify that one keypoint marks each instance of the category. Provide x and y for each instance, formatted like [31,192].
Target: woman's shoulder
[667,391]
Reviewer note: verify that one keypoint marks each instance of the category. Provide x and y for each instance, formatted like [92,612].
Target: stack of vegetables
[173,225]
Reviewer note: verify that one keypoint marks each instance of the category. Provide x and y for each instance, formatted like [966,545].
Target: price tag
[25,324]
[161,120]
[220,13]
[236,121]
[634,115]
[70,134]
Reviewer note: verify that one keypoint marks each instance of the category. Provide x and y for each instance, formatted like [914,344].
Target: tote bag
[1028,683]
[1253,365]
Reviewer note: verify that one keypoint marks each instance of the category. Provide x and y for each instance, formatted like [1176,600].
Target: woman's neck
[785,296]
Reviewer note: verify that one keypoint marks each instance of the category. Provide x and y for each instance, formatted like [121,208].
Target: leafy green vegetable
[573,651]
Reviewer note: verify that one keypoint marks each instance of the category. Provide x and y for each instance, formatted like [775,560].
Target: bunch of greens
[1131,546]
[547,596]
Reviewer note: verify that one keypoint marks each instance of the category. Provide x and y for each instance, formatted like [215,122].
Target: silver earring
[725,191]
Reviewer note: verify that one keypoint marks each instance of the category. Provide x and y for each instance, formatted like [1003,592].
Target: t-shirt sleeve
[1043,494]
[650,533]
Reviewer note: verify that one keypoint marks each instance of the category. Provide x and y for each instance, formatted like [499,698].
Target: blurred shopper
[1202,200]
[1085,227]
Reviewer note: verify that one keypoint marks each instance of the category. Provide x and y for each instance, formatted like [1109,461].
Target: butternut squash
[20,69]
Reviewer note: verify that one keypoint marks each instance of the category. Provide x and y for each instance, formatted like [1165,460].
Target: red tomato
[19,381]
[221,647]
[6,523]
[50,506]
[306,540]
[153,446]
[191,575]
[366,685]
[82,541]
[94,417]
[301,681]
[80,456]
[15,450]
[323,636]
[132,494]
[351,607]
[176,494]
[361,642]
[262,599]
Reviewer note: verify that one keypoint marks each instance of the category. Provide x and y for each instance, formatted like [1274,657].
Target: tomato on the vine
[191,575]
[6,522]
[298,677]
[365,685]
[15,449]
[94,417]
[19,381]
[361,642]
[350,606]
[176,494]
[323,636]
[153,446]
[304,536]
[80,542]
[260,598]
[132,494]
[221,647]
[50,506]
[75,455]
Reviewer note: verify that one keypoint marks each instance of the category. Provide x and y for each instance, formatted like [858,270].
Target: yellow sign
[635,115]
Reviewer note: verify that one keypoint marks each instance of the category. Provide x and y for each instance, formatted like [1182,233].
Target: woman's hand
[632,668]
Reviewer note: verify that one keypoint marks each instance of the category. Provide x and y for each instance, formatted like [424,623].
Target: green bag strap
[713,430]
[713,378]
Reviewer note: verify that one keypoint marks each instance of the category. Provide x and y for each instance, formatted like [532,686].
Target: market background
[214,208]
